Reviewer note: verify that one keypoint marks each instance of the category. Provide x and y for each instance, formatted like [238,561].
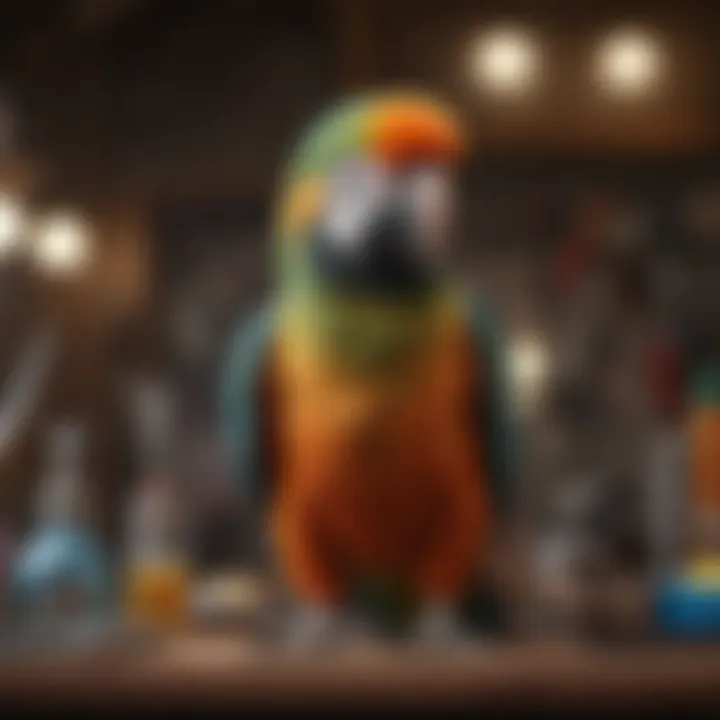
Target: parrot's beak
[387,263]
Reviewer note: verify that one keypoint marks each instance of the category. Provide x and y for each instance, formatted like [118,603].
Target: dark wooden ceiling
[182,97]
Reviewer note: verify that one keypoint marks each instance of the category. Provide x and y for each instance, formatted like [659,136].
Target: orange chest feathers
[378,443]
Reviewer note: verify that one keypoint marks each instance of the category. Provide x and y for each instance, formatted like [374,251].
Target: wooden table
[216,668]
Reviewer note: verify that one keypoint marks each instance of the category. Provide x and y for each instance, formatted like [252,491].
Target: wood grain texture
[223,669]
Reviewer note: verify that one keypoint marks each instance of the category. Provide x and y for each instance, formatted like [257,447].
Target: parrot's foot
[438,626]
[314,627]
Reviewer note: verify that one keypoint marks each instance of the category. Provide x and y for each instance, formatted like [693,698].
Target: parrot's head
[365,220]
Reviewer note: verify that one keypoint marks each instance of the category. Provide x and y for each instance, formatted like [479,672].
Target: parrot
[365,403]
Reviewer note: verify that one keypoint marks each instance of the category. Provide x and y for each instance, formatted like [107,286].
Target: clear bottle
[157,563]
[61,572]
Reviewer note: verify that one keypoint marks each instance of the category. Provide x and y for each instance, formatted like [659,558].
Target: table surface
[211,667]
[225,659]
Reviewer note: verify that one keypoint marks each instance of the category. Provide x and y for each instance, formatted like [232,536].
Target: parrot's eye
[430,202]
[356,192]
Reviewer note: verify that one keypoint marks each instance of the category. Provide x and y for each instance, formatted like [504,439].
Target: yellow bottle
[157,571]
[157,593]
[157,576]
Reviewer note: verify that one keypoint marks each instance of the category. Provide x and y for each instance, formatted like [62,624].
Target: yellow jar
[158,593]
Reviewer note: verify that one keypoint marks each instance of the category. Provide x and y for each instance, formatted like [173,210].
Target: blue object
[57,557]
[688,610]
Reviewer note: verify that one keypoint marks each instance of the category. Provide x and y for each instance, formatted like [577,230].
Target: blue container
[688,610]
[55,558]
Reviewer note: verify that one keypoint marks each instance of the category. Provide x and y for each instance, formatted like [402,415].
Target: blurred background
[139,146]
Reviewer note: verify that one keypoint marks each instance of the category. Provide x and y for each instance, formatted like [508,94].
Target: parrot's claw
[313,628]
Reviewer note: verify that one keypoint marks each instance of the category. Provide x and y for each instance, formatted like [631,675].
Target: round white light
[629,62]
[528,369]
[12,224]
[63,245]
[506,61]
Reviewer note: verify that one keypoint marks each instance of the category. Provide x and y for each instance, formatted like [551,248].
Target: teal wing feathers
[497,427]
[241,401]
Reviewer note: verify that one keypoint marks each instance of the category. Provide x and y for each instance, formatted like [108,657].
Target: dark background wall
[166,121]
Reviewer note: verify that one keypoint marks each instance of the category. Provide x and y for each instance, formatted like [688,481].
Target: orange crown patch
[408,131]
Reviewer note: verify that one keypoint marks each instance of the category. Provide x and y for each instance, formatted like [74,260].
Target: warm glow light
[629,62]
[506,61]
[63,245]
[12,223]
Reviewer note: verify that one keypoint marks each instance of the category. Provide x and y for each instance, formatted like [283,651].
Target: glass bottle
[60,573]
[157,567]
